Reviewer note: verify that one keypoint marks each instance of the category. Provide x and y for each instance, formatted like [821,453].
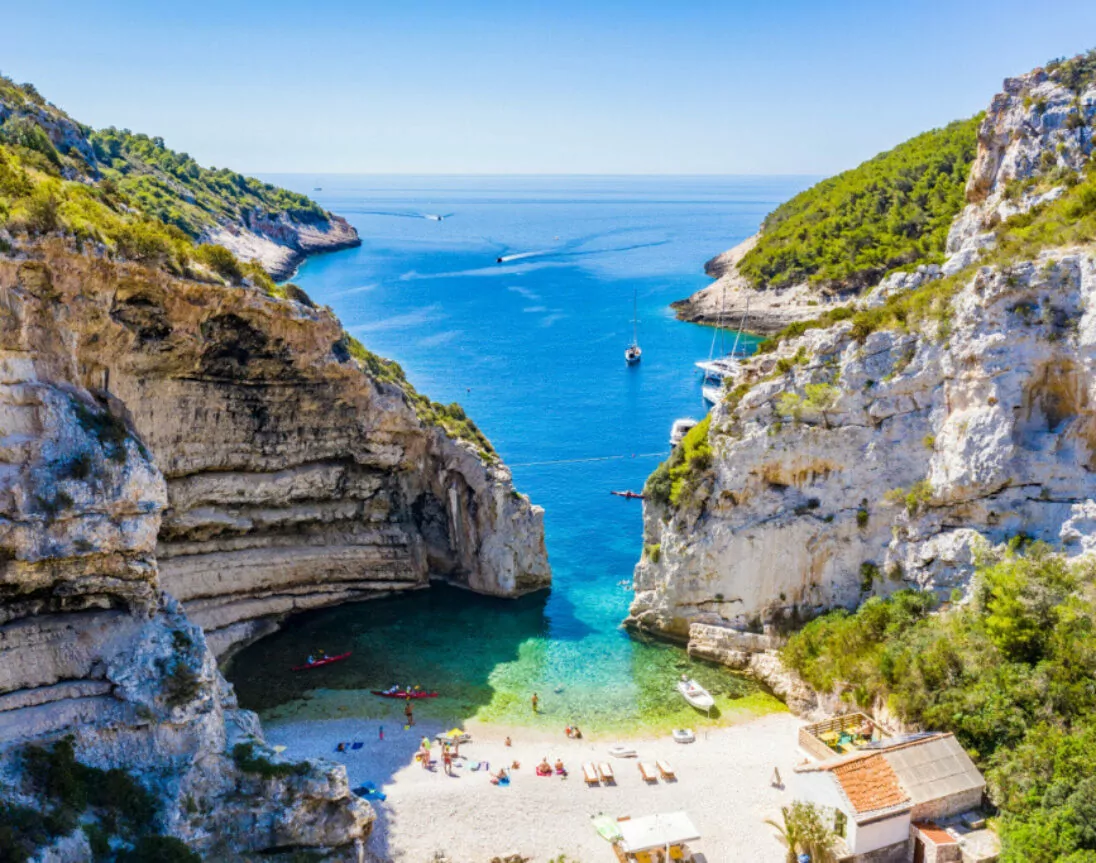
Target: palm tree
[804,830]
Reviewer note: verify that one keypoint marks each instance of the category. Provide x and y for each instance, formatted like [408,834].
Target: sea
[515,296]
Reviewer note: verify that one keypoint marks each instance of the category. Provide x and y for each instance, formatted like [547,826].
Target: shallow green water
[485,657]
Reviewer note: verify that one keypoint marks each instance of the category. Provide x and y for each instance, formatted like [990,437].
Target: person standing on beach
[536,701]
[409,712]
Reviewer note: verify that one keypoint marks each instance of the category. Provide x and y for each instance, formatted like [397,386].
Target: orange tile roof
[870,783]
[935,833]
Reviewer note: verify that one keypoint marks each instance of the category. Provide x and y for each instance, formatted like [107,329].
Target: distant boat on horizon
[633,353]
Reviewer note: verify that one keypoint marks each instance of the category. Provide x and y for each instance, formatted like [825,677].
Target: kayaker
[311,660]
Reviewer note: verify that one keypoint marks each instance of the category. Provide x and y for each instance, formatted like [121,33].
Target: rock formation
[732,299]
[224,446]
[861,458]
[280,241]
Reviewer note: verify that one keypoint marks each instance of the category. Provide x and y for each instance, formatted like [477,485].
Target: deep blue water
[533,349]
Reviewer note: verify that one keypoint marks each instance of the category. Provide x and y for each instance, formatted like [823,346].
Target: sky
[569,86]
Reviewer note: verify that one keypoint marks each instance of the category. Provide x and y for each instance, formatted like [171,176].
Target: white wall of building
[862,838]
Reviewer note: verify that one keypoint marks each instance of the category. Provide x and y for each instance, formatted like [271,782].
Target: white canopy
[656,831]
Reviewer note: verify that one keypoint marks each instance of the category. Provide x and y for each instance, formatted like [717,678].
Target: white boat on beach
[695,694]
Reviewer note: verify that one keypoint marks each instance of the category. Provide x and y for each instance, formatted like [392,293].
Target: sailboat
[633,353]
[716,369]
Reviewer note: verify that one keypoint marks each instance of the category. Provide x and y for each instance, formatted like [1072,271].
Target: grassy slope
[128,196]
[891,211]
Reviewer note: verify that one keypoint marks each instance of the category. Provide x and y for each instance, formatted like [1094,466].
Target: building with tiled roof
[879,793]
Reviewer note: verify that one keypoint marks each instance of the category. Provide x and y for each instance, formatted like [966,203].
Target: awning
[656,831]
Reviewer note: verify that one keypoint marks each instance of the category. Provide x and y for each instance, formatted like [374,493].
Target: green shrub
[221,261]
[1010,673]
[675,480]
[654,552]
[249,761]
[914,499]
[893,210]
[181,684]
[862,518]
[109,430]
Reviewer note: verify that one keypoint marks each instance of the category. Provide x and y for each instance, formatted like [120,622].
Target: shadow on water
[442,639]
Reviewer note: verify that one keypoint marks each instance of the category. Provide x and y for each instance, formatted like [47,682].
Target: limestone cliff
[89,644]
[952,409]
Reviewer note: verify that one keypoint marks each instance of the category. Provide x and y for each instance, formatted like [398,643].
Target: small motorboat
[684,735]
[681,428]
[695,694]
[403,693]
[711,394]
[327,660]
[630,495]
[622,750]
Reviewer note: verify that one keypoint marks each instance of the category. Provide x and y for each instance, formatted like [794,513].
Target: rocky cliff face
[281,242]
[857,460]
[184,465]
[89,644]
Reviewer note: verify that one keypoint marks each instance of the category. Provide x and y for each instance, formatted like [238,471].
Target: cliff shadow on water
[443,639]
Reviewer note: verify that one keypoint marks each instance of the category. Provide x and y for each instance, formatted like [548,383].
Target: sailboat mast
[741,326]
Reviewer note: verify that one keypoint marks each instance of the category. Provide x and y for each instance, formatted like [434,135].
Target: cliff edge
[948,409]
[191,453]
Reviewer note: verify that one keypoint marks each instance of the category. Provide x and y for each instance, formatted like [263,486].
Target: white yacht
[681,428]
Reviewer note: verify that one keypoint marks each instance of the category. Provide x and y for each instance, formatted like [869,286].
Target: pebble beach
[723,783]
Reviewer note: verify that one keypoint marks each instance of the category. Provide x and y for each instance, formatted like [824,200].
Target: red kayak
[325,661]
[400,693]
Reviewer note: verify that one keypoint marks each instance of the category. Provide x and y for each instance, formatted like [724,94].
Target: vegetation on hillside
[891,211]
[131,197]
[1011,673]
[174,189]
[106,804]
[125,195]
[675,481]
[1075,73]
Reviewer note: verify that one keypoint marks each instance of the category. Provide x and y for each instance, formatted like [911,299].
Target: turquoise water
[533,349]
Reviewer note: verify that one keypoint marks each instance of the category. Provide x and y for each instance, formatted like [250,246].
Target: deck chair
[648,771]
[665,770]
[605,769]
[590,774]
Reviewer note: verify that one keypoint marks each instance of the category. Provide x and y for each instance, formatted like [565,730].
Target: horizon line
[527,174]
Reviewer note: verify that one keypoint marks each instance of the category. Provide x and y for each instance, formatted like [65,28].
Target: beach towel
[357,744]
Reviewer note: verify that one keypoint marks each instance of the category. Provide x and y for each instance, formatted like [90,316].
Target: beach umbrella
[455,732]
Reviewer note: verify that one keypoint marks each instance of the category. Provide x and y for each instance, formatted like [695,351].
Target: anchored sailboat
[716,369]
[633,353]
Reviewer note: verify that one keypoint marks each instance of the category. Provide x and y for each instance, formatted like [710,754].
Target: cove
[532,346]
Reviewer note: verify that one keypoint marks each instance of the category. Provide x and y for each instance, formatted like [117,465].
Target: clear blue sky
[570,86]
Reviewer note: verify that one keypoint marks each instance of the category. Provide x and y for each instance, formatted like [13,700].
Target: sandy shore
[722,782]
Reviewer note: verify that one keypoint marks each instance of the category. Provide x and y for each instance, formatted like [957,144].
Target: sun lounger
[665,769]
[589,774]
[606,771]
[648,771]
